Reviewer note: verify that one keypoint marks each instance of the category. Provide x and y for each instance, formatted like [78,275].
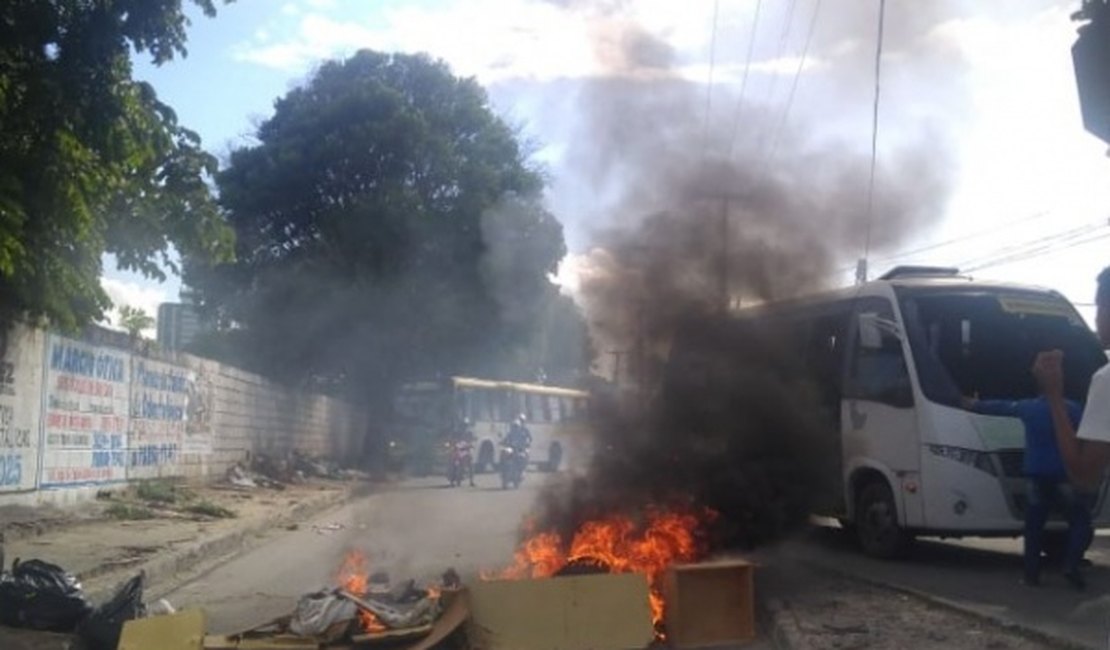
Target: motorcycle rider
[518,437]
[462,443]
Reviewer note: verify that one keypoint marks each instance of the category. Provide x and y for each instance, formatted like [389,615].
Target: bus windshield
[976,342]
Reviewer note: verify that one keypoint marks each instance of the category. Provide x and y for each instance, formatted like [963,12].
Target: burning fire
[354,576]
[622,545]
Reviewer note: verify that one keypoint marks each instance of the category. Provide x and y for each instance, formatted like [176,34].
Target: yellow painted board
[181,631]
[598,612]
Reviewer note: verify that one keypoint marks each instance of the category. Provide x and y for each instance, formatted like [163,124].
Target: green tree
[388,227]
[90,160]
[134,320]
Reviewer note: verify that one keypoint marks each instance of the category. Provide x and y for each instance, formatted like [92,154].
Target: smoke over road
[694,213]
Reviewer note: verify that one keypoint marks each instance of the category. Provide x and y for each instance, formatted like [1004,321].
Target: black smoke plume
[702,218]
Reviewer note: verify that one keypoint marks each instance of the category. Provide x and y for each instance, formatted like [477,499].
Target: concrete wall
[79,416]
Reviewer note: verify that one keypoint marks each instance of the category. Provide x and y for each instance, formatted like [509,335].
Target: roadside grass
[161,492]
[129,512]
[209,509]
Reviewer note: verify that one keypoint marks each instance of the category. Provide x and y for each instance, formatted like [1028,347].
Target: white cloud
[133,294]
[499,39]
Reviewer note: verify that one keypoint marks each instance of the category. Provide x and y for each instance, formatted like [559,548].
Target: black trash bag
[41,596]
[102,629]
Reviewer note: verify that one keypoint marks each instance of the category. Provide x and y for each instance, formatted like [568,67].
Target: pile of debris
[294,468]
[37,595]
[365,610]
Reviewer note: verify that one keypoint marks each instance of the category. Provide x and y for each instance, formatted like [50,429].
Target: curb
[781,625]
[165,572]
[785,635]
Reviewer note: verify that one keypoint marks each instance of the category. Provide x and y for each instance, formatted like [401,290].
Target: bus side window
[877,371]
[479,406]
[564,409]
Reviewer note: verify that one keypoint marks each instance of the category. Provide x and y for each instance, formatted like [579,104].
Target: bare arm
[1085,460]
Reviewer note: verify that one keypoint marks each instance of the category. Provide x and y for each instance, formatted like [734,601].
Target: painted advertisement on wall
[159,406]
[20,407]
[201,404]
[85,418]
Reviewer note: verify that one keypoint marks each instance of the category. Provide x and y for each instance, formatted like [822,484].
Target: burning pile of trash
[362,607]
[616,543]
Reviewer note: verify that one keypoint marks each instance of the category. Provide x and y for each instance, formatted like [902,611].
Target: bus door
[878,420]
[823,339]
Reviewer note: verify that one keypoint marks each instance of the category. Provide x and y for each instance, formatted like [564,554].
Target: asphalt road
[420,528]
[415,530]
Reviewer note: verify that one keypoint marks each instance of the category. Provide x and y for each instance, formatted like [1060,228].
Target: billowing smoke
[697,214]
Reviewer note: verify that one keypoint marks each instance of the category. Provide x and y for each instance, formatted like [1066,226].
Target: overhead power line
[744,80]
[874,138]
[777,133]
[709,81]
[1058,245]
[784,37]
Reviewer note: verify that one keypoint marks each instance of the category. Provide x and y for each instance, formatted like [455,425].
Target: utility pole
[725,298]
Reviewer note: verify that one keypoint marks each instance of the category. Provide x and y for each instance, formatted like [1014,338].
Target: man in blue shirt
[1047,484]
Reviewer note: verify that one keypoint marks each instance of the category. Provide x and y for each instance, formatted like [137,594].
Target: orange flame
[663,538]
[354,576]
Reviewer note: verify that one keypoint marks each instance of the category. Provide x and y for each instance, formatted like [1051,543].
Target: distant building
[178,325]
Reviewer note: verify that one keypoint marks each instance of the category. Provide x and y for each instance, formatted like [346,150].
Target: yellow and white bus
[427,412]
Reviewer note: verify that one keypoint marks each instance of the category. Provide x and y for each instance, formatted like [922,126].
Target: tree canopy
[388,226]
[90,160]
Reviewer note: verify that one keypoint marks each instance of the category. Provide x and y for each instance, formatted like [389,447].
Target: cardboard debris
[600,612]
[456,612]
[390,636]
[272,642]
[181,631]
[709,604]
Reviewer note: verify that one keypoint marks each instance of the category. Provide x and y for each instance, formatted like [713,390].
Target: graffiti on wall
[20,408]
[159,405]
[85,421]
[201,404]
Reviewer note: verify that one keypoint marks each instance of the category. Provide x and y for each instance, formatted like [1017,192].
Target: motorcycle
[513,463]
[459,463]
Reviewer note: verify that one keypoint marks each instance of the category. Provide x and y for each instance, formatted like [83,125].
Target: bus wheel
[485,458]
[877,522]
[554,458]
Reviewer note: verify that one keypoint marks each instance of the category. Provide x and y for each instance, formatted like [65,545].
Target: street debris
[325,529]
[294,468]
[326,615]
[101,629]
[41,596]
[601,611]
[709,604]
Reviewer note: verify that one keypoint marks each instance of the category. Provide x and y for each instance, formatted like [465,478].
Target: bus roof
[915,282]
[539,389]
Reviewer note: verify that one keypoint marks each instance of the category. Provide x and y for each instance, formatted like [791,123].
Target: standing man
[1047,485]
[1086,452]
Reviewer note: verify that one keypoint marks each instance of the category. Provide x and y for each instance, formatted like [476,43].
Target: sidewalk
[103,551]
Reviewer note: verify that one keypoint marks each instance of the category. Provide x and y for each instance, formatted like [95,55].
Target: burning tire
[876,522]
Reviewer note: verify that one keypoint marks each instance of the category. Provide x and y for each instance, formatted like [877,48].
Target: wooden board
[599,612]
[181,631]
[710,604]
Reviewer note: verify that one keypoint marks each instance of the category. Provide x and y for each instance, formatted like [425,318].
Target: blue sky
[994,84]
